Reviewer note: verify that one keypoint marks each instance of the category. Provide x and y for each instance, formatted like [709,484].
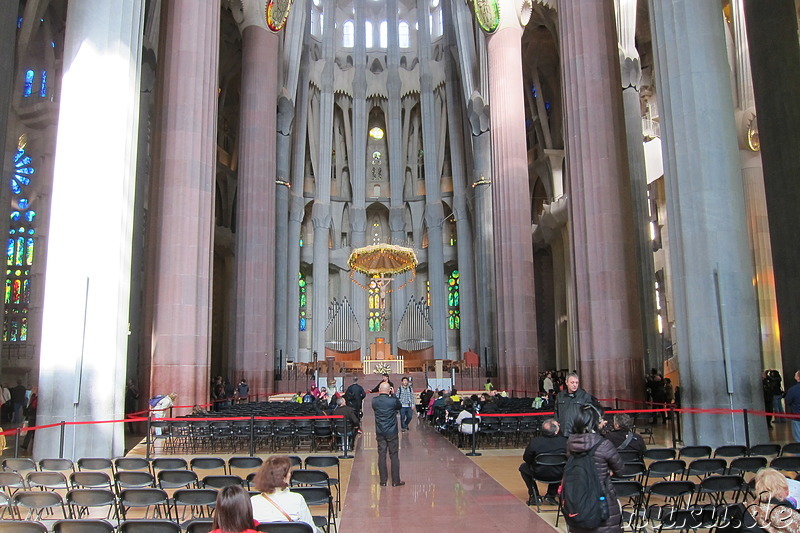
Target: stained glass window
[21,244]
[376,305]
[453,300]
[27,85]
[43,85]
[301,282]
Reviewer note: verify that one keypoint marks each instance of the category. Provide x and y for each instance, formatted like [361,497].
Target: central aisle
[444,491]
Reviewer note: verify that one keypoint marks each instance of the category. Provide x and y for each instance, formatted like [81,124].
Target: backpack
[583,498]
[155,399]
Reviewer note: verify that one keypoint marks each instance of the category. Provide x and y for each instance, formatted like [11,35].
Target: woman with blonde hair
[233,513]
[275,503]
[771,510]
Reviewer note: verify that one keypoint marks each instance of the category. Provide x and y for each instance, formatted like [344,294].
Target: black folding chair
[56,465]
[199,525]
[22,526]
[695,452]
[665,469]
[37,502]
[631,496]
[80,501]
[731,450]
[218,482]
[144,499]
[168,463]
[191,504]
[325,462]
[660,454]
[246,463]
[85,525]
[722,490]
[318,497]
[208,463]
[177,479]
[90,480]
[765,449]
[705,467]
[95,463]
[149,526]
[791,448]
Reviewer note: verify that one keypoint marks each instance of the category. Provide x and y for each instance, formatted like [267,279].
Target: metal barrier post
[16,443]
[61,440]
[147,440]
[672,426]
[746,429]
[252,435]
[616,404]
[346,443]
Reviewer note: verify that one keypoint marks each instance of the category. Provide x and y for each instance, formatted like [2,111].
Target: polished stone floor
[445,490]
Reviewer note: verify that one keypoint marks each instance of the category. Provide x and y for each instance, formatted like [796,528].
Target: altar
[395,365]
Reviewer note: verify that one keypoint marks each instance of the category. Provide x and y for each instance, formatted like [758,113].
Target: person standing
[793,405]
[406,396]
[243,391]
[131,396]
[570,401]
[354,396]
[18,399]
[386,408]
[586,438]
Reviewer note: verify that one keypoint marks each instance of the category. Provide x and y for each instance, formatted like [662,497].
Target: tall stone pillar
[478,115]
[631,72]
[775,64]
[255,233]
[609,328]
[518,356]
[181,214]
[321,212]
[283,151]
[8,35]
[712,273]
[85,319]
[434,209]
[755,198]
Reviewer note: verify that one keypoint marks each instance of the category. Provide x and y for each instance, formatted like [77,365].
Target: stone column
[513,242]
[85,319]
[255,233]
[8,35]
[712,272]
[478,115]
[321,212]
[631,72]
[434,210]
[283,151]
[609,327]
[468,333]
[755,198]
[181,213]
[775,64]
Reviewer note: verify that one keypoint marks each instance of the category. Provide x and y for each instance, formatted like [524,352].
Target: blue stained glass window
[27,86]
[43,85]
[302,324]
[20,251]
[454,299]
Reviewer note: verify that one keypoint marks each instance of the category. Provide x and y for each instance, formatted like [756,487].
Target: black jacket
[545,444]
[617,437]
[386,408]
[354,395]
[568,405]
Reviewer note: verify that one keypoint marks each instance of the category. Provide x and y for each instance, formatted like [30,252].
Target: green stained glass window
[454,300]
[301,283]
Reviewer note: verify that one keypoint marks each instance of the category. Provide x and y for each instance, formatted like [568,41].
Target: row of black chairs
[195,436]
[181,507]
[89,525]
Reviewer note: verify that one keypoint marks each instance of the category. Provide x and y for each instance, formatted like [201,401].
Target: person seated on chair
[623,437]
[466,413]
[771,508]
[233,512]
[550,441]
[276,503]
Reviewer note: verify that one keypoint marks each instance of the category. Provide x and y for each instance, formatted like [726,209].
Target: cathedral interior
[579,185]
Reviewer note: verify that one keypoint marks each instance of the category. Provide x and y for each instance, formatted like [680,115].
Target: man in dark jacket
[623,437]
[354,396]
[386,408]
[570,401]
[550,441]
